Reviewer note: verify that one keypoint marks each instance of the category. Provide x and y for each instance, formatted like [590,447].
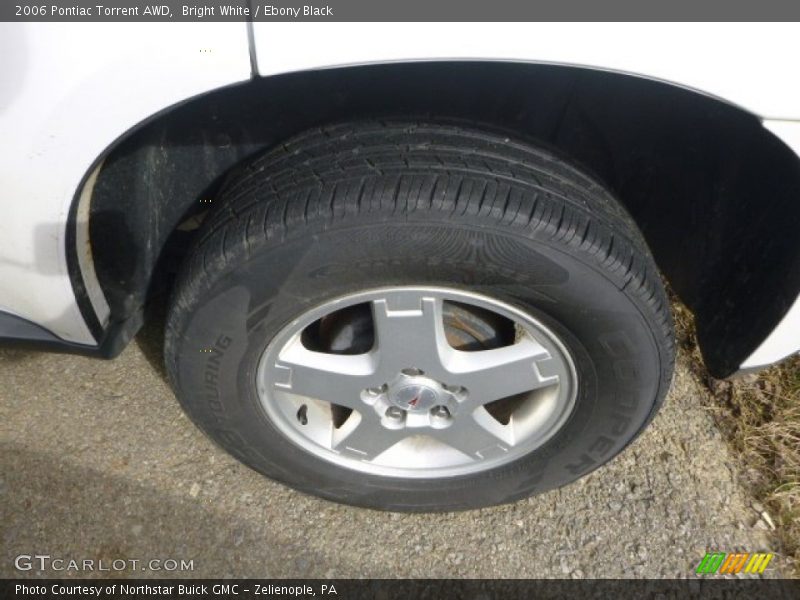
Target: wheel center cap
[414,397]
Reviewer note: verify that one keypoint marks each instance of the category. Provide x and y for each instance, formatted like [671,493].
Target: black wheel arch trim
[724,349]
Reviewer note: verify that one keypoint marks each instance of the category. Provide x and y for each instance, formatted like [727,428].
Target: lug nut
[440,412]
[456,390]
[371,395]
[394,413]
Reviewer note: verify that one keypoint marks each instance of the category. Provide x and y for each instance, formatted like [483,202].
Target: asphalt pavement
[98,462]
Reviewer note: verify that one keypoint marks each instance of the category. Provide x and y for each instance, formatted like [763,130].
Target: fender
[750,65]
[68,93]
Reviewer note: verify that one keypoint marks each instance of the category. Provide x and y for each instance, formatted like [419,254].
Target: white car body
[65,98]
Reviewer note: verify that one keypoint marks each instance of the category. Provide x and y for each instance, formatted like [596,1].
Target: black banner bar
[398,589]
[405,10]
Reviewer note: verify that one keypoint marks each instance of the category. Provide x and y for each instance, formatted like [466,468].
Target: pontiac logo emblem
[415,397]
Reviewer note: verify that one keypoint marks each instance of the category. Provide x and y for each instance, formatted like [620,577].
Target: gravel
[99,462]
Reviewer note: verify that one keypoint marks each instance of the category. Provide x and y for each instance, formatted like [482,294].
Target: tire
[404,207]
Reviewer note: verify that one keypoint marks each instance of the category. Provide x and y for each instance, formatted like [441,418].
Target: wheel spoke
[478,435]
[489,375]
[369,438]
[409,332]
[335,378]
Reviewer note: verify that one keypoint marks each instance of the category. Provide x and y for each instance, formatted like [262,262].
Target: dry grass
[760,416]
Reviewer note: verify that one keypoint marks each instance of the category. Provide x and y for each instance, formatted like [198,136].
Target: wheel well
[714,193]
